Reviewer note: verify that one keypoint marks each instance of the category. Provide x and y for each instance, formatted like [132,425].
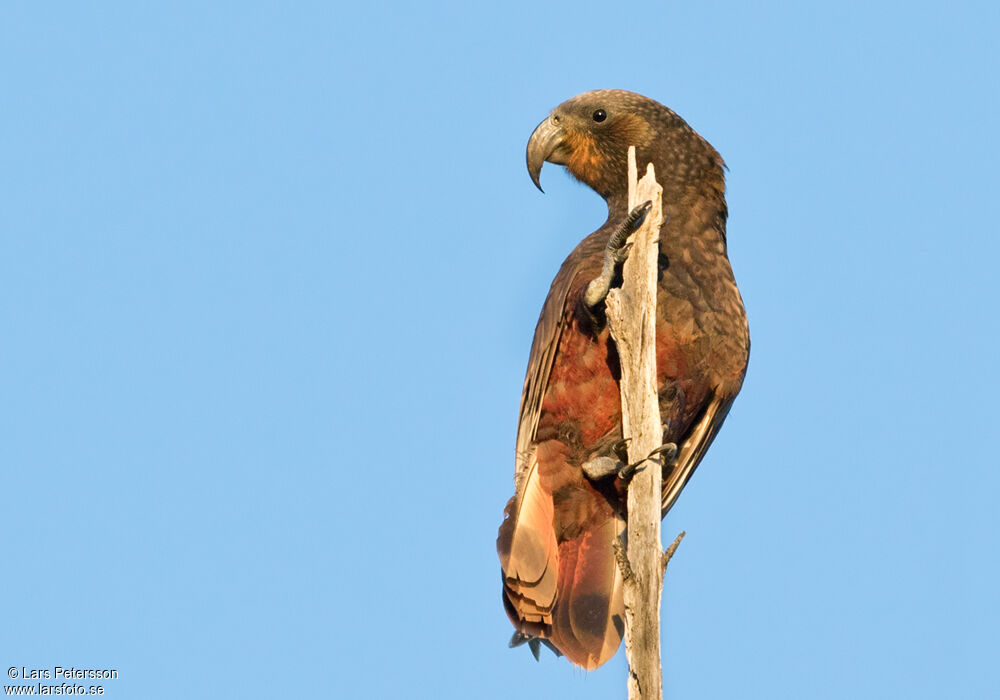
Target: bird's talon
[620,449]
[639,214]
[667,450]
[630,470]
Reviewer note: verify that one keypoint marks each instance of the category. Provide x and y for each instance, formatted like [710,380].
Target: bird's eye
[600,115]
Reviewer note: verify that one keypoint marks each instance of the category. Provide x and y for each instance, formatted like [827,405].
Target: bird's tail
[561,580]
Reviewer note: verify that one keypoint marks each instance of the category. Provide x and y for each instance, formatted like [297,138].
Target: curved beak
[545,140]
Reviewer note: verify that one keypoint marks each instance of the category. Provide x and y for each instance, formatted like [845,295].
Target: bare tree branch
[667,555]
[632,319]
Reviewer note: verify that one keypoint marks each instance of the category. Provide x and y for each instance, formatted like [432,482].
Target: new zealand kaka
[561,583]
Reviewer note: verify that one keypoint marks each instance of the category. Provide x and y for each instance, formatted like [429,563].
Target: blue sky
[268,279]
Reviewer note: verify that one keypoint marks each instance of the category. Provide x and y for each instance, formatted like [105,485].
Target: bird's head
[590,134]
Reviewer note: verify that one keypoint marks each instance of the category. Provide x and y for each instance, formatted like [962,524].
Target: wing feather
[694,446]
[548,331]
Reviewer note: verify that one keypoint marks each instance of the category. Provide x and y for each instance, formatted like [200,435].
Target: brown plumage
[556,544]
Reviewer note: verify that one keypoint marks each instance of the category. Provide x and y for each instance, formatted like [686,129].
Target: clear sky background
[269,274]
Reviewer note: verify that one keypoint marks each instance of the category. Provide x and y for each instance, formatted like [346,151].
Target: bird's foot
[603,466]
[614,255]
[666,454]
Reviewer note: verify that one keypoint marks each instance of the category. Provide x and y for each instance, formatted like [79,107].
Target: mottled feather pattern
[557,541]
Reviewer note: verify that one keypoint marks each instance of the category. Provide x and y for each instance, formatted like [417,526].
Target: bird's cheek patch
[585,160]
[633,130]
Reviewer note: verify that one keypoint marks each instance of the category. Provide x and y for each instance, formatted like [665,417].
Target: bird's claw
[604,466]
[638,214]
[667,449]
[666,452]
[620,449]
[626,473]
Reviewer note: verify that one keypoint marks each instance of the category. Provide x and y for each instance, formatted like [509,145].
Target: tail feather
[528,555]
[590,607]
[560,573]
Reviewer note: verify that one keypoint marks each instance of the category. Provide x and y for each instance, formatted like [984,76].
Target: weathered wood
[669,554]
[632,318]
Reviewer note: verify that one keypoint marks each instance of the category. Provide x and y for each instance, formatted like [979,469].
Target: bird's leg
[614,255]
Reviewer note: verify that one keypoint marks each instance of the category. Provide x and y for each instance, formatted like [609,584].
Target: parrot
[561,580]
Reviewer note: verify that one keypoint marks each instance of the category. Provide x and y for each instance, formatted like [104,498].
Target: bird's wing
[526,542]
[693,448]
[536,380]
[538,570]
[548,332]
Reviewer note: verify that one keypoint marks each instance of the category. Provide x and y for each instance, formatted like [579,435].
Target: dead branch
[632,319]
